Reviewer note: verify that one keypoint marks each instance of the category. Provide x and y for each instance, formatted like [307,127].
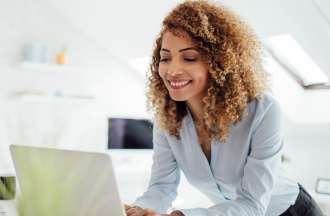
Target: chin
[178,98]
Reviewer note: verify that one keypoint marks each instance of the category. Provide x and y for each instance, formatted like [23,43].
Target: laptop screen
[129,134]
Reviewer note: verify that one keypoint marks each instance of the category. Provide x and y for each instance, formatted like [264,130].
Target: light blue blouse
[243,177]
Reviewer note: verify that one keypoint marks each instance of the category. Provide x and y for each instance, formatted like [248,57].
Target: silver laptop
[66,182]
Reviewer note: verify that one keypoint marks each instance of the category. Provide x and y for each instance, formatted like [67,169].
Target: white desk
[132,168]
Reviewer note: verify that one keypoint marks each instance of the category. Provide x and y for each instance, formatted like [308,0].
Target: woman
[215,121]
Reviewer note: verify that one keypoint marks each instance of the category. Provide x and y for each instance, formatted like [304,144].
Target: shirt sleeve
[260,170]
[165,176]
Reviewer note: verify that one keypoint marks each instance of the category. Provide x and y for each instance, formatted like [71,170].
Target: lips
[178,84]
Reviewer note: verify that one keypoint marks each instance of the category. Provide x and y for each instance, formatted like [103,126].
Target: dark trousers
[305,205]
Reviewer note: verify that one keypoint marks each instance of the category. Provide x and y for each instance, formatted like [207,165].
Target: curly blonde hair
[233,54]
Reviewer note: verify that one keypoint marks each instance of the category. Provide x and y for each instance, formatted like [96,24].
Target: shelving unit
[43,82]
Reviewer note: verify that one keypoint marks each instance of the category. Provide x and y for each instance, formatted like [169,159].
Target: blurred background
[73,74]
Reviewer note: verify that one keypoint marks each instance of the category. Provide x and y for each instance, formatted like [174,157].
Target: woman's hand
[137,211]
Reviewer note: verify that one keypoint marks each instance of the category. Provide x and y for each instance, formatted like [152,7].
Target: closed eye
[190,59]
[185,59]
[164,60]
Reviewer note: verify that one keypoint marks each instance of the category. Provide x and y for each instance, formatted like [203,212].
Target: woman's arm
[260,170]
[165,176]
[137,211]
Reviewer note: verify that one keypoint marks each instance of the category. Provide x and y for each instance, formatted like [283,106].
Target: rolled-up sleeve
[260,170]
[165,176]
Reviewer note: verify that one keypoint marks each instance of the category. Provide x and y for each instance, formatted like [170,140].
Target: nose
[174,69]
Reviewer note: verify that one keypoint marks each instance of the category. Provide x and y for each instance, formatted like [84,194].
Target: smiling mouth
[178,84]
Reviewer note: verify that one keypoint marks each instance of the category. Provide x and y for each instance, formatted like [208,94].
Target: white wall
[43,121]
[99,71]
[306,125]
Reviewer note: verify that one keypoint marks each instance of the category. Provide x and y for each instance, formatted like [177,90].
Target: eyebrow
[181,50]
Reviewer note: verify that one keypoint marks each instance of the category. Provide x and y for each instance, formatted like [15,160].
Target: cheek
[202,78]
[161,71]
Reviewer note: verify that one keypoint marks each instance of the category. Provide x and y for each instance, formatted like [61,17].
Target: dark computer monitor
[130,134]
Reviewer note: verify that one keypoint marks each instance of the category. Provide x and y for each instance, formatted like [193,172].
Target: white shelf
[46,97]
[47,67]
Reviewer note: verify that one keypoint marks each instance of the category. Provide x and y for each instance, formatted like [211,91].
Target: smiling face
[182,69]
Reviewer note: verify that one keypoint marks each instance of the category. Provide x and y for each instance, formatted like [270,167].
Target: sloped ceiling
[128,28]
[300,18]
[324,6]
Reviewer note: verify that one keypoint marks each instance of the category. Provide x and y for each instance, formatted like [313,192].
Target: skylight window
[287,51]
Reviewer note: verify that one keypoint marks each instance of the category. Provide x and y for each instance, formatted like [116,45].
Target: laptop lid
[66,182]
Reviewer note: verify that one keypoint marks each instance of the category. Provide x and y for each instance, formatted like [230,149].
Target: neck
[196,107]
